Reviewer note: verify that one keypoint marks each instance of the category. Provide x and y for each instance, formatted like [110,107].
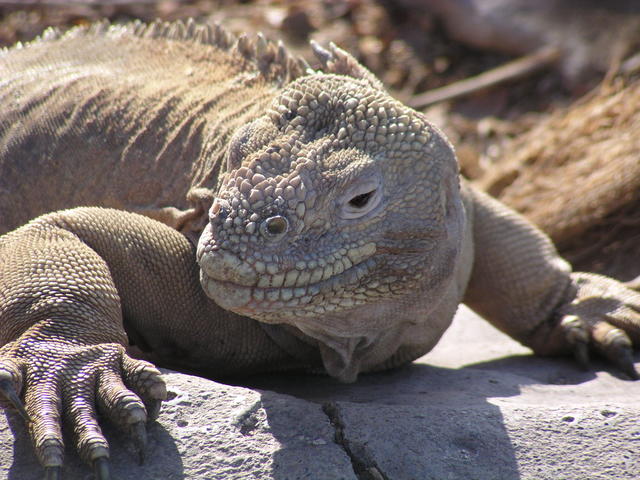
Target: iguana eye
[360,200]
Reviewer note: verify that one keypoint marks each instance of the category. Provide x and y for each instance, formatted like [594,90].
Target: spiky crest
[336,60]
[271,59]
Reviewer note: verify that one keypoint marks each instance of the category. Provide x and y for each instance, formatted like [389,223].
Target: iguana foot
[603,314]
[60,380]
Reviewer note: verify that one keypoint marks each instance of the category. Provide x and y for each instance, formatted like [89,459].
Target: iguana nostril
[274,226]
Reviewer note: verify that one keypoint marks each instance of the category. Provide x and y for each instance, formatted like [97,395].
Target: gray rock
[460,412]
[207,431]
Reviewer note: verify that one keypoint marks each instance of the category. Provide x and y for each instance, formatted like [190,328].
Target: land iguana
[335,232]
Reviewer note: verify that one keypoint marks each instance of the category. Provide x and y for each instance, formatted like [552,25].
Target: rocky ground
[478,407]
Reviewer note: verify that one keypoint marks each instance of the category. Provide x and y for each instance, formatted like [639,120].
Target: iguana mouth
[338,292]
[263,284]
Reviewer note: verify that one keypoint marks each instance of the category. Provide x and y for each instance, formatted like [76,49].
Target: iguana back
[136,115]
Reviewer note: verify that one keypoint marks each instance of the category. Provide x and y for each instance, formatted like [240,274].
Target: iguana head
[340,198]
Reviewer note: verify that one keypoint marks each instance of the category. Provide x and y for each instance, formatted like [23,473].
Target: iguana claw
[139,436]
[153,408]
[8,390]
[577,335]
[101,468]
[581,354]
[52,473]
[621,356]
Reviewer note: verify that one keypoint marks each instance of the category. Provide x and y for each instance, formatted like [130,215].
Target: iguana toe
[145,379]
[130,397]
[577,334]
[44,429]
[119,403]
[581,354]
[616,346]
[89,440]
[52,473]
[11,385]
[624,361]
[101,468]
[153,409]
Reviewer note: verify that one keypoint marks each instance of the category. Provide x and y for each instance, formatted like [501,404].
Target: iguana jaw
[301,291]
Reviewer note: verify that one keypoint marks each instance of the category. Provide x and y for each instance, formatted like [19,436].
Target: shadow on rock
[510,418]
[163,458]
[418,422]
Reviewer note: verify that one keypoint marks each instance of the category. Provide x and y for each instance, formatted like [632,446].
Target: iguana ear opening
[335,60]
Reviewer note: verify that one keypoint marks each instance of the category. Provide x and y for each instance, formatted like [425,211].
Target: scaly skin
[136,118]
[340,235]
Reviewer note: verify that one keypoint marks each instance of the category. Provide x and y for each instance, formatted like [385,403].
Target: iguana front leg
[521,285]
[64,345]
[70,283]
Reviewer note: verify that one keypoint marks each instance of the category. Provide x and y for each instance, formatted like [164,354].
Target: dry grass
[577,174]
